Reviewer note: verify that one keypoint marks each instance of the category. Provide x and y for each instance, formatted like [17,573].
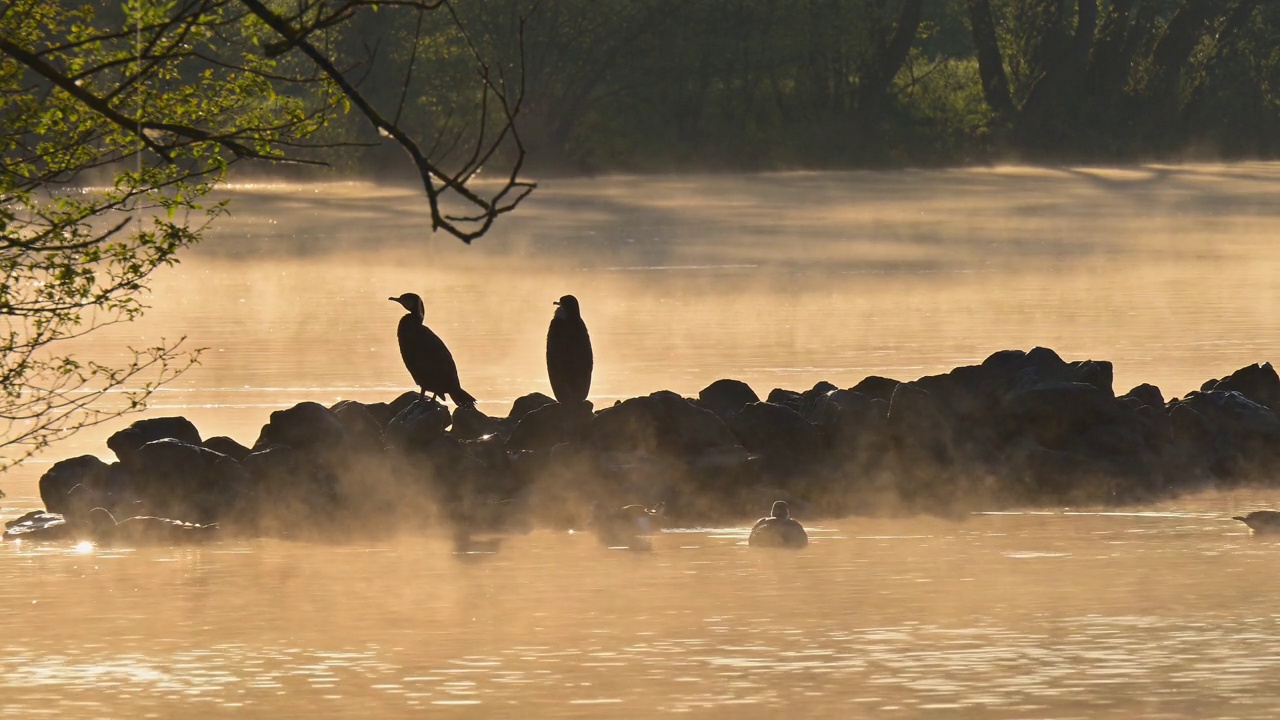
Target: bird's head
[412,303]
[780,510]
[567,307]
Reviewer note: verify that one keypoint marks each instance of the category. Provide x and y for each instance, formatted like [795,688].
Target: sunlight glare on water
[1164,611]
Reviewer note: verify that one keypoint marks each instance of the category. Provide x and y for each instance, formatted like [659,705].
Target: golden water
[781,281]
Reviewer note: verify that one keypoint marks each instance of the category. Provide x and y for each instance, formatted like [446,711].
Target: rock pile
[1021,428]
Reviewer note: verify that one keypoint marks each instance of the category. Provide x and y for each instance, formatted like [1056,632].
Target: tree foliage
[119,119]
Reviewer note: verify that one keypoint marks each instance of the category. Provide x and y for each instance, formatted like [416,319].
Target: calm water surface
[780,280]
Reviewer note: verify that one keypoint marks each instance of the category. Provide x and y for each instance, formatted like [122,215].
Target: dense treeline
[660,84]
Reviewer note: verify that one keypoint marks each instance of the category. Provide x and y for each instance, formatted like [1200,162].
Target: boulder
[788,398]
[726,397]
[360,427]
[779,433]
[470,424]
[1054,413]
[876,387]
[177,480]
[1097,373]
[1146,395]
[417,426]
[292,482]
[402,401]
[226,446]
[549,426]
[662,423]
[303,426]
[127,441]
[811,398]
[526,404]
[1258,383]
[85,472]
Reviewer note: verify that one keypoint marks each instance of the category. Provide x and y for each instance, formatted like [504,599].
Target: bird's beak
[556,302]
[394,299]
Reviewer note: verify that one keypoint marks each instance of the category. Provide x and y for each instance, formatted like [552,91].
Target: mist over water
[778,280]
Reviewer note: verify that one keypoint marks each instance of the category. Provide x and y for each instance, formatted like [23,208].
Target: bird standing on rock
[569,360]
[424,353]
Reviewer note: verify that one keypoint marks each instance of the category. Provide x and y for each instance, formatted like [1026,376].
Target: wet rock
[295,486]
[662,423]
[917,422]
[1146,395]
[303,426]
[851,421]
[549,426]
[1053,413]
[226,446]
[57,483]
[779,433]
[811,398]
[186,482]
[417,426]
[127,441]
[1258,383]
[526,404]
[726,397]
[361,428]
[786,398]
[1226,434]
[470,424]
[402,402]
[876,387]
[1097,373]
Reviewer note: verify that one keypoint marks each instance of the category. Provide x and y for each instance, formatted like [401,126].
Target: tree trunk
[995,84]
[873,86]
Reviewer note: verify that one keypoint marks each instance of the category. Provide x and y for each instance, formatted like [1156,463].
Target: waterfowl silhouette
[425,355]
[778,530]
[569,360]
[628,525]
[1262,522]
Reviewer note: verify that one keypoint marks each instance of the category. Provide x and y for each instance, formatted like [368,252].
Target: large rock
[851,421]
[1146,396]
[417,426]
[295,485]
[83,473]
[227,446]
[125,442]
[361,424]
[471,424]
[662,423]
[526,404]
[876,387]
[550,425]
[1054,413]
[1258,383]
[181,481]
[727,397]
[303,426]
[779,433]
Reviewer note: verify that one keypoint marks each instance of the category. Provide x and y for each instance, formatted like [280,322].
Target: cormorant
[569,360]
[426,356]
[778,530]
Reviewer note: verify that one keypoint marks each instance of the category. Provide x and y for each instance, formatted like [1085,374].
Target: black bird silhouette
[569,360]
[426,356]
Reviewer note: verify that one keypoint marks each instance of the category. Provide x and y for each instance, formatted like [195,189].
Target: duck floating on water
[1262,522]
[778,530]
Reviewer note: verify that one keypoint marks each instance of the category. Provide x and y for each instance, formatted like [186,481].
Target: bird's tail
[462,398]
